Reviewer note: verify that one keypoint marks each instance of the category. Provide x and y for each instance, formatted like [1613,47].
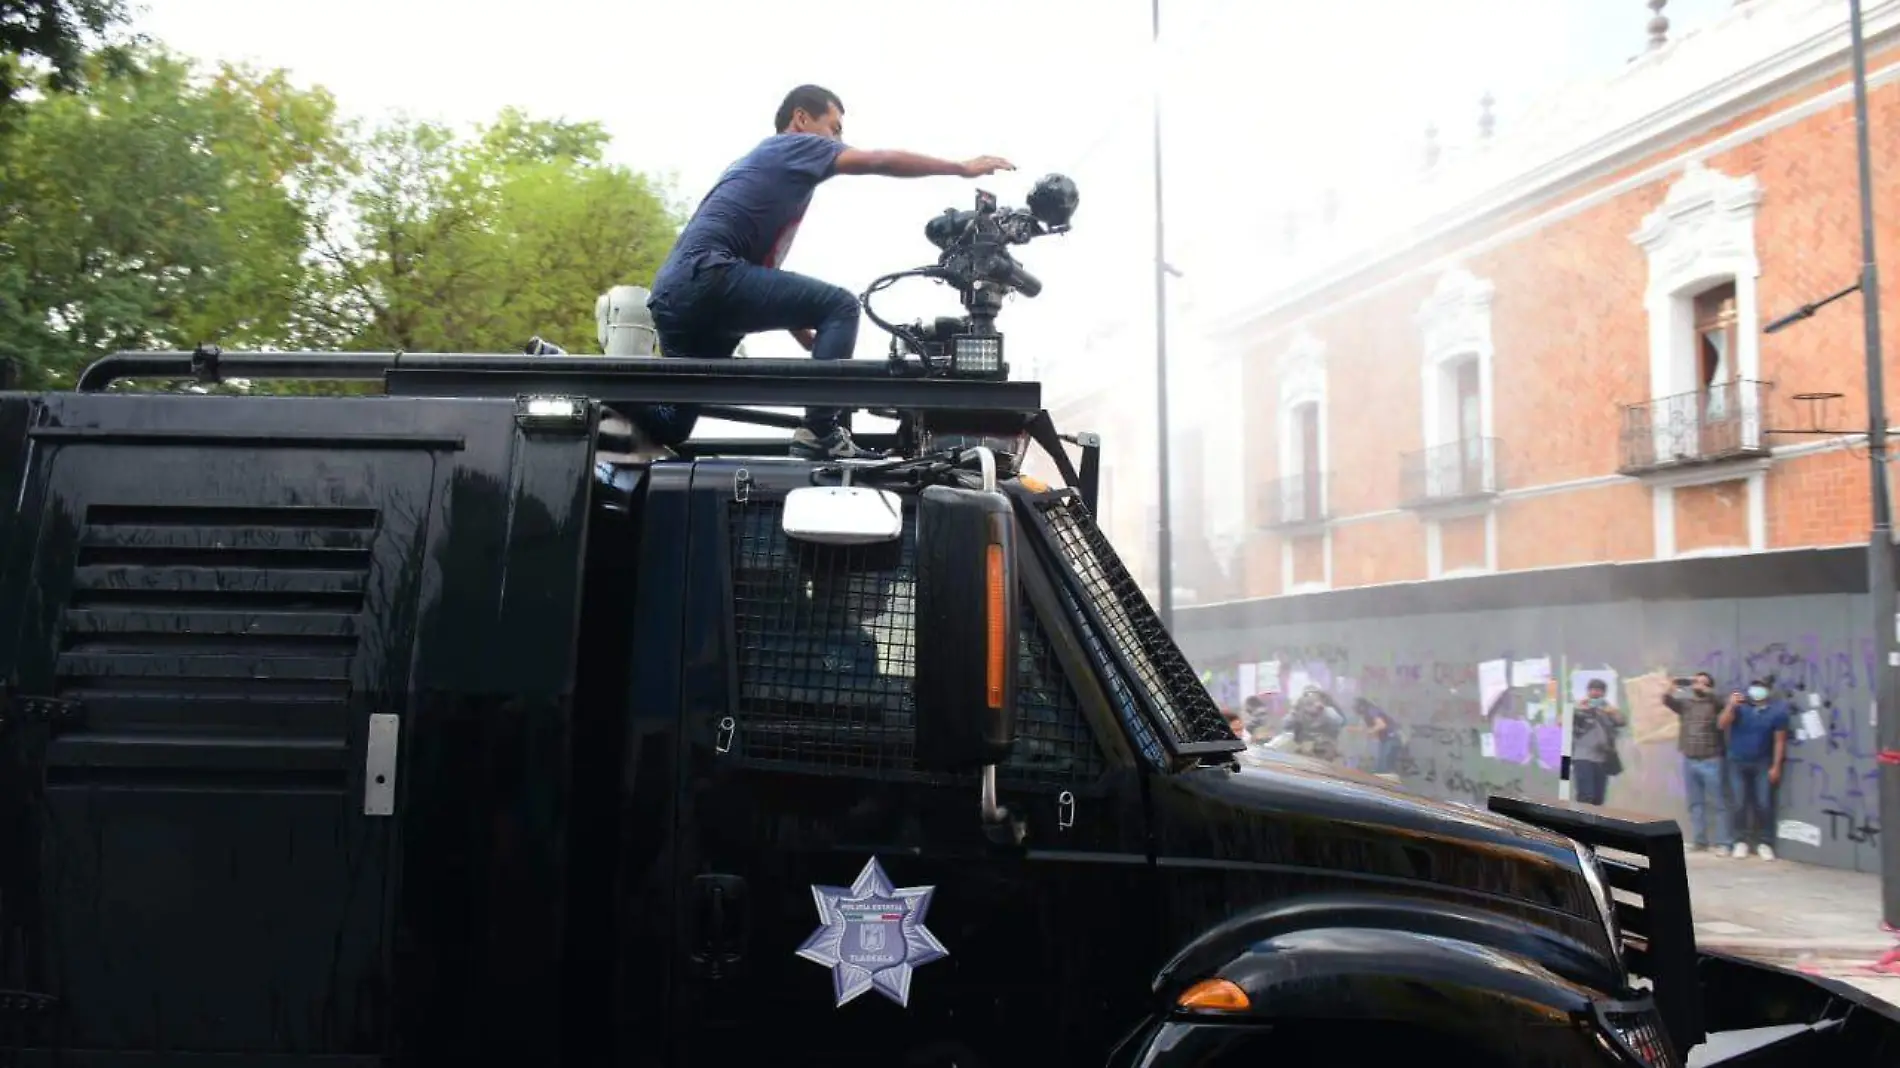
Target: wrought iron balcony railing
[1465,470]
[1294,501]
[1723,422]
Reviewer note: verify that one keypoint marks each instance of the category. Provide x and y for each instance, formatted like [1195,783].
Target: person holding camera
[1699,738]
[722,281]
[1757,727]
[1593,757]
[1315,723]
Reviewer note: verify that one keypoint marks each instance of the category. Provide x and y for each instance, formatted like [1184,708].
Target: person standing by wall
[1699,739]
[1757,727]
[1593,756]
[1384,735]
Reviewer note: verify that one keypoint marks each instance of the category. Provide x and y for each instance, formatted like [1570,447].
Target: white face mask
[1757,693]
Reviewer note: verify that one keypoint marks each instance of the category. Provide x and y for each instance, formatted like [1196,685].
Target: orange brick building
[1556,357]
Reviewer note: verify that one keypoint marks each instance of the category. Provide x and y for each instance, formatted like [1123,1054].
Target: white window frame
[1701,236]
[1455,322]
[1302,380]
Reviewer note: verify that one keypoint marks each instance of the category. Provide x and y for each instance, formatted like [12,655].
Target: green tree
[160,206]
[474,245]
[157,209]
[56,33]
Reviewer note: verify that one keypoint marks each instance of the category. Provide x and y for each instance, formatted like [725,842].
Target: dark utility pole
[1880,569]
[1165,552]
[1880,544]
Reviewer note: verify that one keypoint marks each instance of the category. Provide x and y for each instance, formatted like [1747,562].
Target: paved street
[1816,919]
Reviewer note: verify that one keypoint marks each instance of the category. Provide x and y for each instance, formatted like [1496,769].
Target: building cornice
[1759,51]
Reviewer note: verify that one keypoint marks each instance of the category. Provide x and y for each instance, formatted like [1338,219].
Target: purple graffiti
[1512,738]
[1550,745]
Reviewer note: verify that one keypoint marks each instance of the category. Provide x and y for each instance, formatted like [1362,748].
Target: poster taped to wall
[1653,721]
[1296,683]
[1533,672]
[1796,831]
[1809,727]
[1493,680]
[1267,677]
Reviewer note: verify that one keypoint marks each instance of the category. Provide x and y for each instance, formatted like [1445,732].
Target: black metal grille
[1642,1032]
[826,676]
[1190,722]
[1455,471]
[1295,500]
[1721,422]
[1053,742]
[1642,862]
[1127,707]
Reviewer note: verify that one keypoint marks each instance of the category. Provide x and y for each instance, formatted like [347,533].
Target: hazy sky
[1261,96]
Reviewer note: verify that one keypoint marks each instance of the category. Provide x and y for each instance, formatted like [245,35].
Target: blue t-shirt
[1751,738]
[753,211]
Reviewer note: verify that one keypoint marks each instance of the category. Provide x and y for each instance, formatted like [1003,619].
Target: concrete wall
[1419,651]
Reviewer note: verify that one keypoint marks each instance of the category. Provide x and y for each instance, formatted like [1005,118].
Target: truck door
[802,793]
[211,607]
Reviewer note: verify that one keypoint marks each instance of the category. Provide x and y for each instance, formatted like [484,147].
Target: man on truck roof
[722,279]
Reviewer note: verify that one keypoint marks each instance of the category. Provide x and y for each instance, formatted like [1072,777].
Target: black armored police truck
[456,725]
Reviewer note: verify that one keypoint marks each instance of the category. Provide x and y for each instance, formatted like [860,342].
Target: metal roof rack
[733,389]
[614,381]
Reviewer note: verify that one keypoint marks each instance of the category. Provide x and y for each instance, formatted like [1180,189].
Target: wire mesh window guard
[1189,721]
[826,672]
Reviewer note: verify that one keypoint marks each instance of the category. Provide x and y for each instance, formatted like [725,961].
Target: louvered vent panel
[251,615]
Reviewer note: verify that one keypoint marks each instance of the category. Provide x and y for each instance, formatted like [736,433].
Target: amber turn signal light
[996,613]
[1214,995]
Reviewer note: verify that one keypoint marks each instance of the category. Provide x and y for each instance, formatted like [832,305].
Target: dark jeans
[1589,781]
[1385,753]
[1754,798]
[704,309]
[1702,781]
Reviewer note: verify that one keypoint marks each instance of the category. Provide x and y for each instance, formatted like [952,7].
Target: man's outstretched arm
[894,163]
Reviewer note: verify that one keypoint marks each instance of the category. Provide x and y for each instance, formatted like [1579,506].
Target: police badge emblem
[872,935]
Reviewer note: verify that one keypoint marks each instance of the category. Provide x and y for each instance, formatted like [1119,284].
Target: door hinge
[52,711]
[18,1004]
[379,764]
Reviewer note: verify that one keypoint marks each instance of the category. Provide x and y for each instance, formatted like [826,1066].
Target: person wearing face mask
[1699,738]
[1757,726]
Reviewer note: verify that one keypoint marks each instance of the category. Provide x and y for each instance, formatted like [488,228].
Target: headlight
[1600,890]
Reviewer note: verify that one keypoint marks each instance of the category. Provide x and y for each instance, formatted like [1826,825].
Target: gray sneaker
[836,445]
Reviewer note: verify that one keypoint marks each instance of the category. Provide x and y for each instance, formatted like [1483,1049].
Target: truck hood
[1297,815]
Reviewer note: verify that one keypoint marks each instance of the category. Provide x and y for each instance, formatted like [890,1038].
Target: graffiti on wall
[1494,721]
